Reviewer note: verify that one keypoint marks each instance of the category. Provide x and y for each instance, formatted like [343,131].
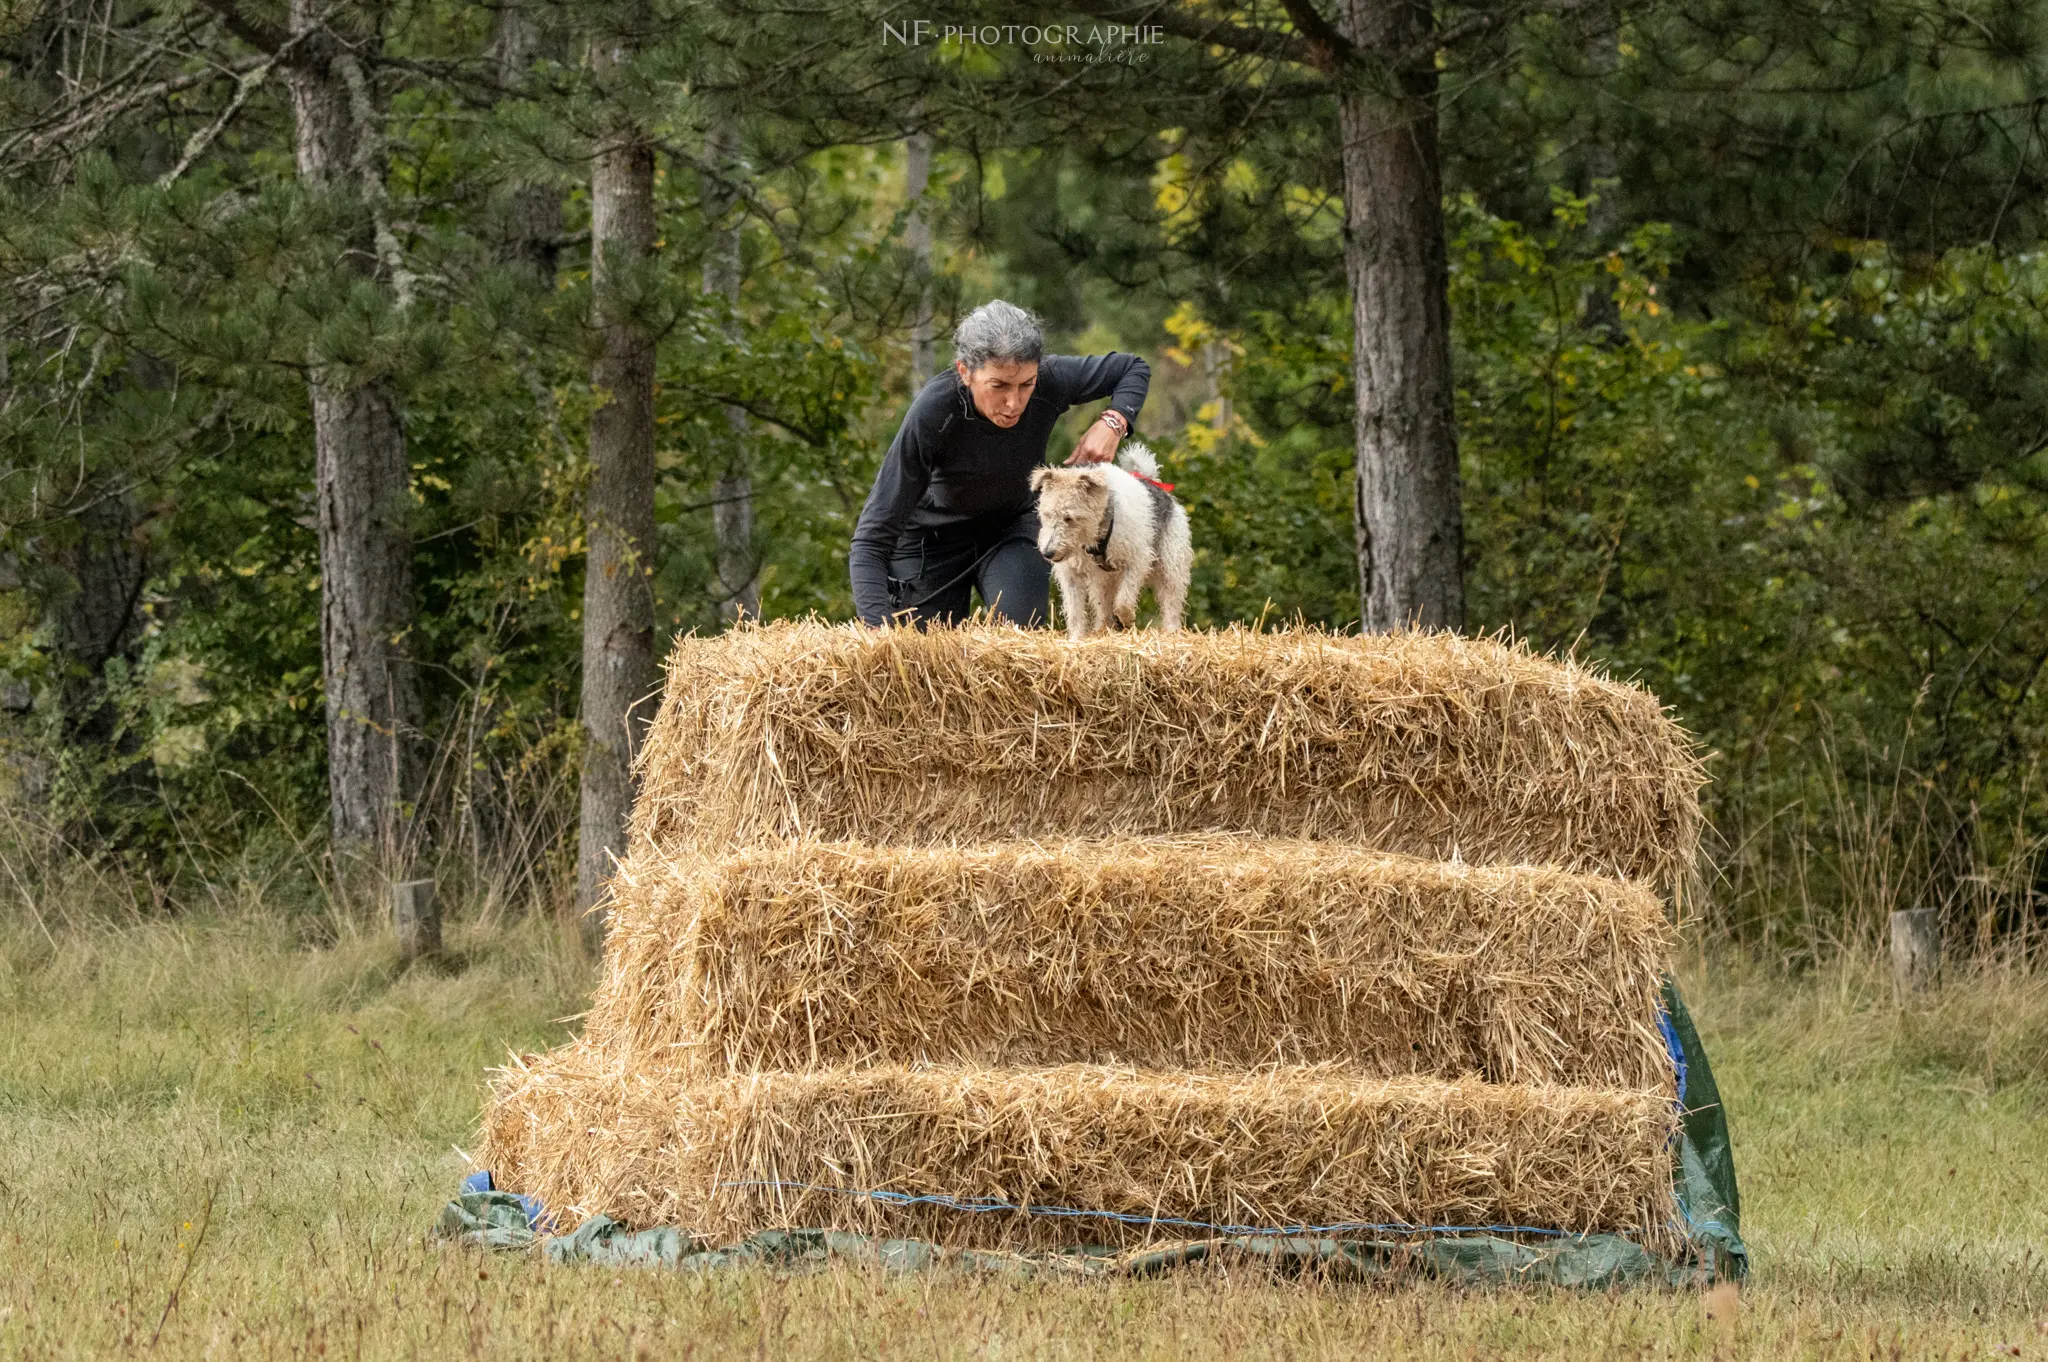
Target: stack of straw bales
[1239,929]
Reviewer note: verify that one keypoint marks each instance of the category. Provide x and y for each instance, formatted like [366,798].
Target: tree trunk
[95,616]
[373,712]
[732,521]
[917,236]
[1410,525]
[361,475]
[1602,175]
[732,510]
[533,212]
[618,598]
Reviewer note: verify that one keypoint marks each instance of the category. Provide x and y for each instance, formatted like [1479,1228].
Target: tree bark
[732,510]
[362,478]
[1602,176]
[96,617]
[618,598]
[732,522]
[533,212]
[1409,519]
[917,236]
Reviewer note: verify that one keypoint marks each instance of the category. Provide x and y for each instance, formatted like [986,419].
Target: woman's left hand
[1097,445]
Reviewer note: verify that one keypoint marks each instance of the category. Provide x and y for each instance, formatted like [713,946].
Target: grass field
[222,1139]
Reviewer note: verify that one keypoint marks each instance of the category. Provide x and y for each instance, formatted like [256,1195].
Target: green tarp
[1703,1176]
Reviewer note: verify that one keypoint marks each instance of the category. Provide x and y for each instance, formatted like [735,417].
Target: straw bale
[1216,952]
[1288,1146]
[1425,744]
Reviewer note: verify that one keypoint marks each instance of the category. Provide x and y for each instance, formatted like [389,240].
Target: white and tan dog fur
[1110,534]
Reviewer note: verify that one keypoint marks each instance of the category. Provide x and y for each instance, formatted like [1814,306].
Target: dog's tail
[1134,457]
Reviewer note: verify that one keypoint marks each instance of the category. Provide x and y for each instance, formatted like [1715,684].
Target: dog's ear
[1039,477]
[1094,479]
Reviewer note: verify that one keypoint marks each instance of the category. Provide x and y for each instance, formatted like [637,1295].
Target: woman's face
[1001,388]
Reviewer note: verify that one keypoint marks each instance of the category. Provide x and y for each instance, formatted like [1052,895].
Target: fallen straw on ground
[1215,952]
[1426,744]
[1284,1147]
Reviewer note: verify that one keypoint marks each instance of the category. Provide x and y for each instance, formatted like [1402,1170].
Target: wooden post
[416,914]
[1916,948]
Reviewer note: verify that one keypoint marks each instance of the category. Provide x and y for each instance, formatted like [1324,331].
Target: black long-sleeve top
[950,464]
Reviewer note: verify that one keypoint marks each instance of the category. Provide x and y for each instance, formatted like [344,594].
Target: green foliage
[1767,130]
[1266,470]
[1719,509]
[1750,324]
[164,377]
[1812,527]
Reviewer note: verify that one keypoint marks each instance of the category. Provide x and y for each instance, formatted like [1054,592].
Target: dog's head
[1071,505]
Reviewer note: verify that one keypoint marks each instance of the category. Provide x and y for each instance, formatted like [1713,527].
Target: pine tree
[917,239]
[1379,62]
[618,602]
[732,512]
[361,475]
[328,65]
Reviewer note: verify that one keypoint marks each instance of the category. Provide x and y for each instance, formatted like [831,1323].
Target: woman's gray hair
[998,332]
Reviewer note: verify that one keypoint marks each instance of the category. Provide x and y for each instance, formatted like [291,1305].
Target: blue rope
[983,1205]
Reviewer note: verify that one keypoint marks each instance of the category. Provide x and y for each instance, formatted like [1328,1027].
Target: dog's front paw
[1127,617]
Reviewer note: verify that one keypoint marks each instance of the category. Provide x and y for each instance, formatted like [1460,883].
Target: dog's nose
[1050,555]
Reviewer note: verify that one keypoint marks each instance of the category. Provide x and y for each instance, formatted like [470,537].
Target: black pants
[931,577]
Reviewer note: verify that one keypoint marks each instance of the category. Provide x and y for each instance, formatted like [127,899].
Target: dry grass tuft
[1424,744]
[1278,1147]
[1214,952]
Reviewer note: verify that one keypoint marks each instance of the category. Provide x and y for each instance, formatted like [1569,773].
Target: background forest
[1748,338]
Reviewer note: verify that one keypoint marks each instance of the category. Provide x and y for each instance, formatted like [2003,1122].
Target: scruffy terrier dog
[1110,531]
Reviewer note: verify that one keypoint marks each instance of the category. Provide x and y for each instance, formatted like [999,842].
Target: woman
[951,512]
